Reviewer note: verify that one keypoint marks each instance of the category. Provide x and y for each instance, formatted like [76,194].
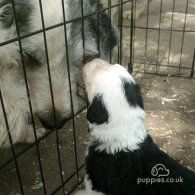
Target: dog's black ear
[139,96]
[97,112]
[133,93]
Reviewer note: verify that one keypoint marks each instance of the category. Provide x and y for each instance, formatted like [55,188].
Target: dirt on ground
[170,108]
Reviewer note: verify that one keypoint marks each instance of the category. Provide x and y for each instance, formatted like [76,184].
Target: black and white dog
[100,36]
[121,157]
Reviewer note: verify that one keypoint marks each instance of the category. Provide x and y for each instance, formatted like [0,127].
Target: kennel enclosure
[155,37]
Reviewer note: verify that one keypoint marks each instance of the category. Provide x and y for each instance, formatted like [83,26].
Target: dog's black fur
[117,174]
[97,113]
[132,93]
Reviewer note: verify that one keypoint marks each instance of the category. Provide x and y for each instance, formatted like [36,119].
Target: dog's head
[29,20]
[112,92]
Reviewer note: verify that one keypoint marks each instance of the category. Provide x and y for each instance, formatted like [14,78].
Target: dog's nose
[52,122]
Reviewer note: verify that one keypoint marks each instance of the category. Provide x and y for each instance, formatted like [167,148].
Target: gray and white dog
[98,33]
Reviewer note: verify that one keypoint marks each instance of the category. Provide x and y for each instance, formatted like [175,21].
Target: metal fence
[164,37]
[148,43]
[54,163]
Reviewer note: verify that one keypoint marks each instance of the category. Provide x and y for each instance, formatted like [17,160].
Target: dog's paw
[31,138]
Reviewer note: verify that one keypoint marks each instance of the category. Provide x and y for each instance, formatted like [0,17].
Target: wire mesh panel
[43,46]
[164,37]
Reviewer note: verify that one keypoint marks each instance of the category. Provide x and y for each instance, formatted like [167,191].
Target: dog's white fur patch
[88,188]
[125,129]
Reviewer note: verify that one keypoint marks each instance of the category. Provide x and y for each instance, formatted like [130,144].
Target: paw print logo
[160,170]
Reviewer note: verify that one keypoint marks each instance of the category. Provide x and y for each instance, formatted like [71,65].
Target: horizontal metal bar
[67,180]
[38,141]
[163,29]
[164,65]
[161,74]
[75,187]
[59,24]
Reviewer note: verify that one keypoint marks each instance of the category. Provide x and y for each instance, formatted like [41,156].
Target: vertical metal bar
[83,31]
[98,27]
[193,65]
[121,33]
[183,37]
[51,89]
[171,33]
[70,90]
[110,26]
[118,48]
[159,33]
[130,65]
[28,94]
[134,30]
[146,38]
[11,143]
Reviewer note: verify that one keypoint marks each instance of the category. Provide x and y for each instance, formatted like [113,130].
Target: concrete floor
[169,104]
